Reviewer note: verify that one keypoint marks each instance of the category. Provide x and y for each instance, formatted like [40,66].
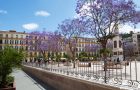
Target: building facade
[136,41]
[117,48]
[13,39]
[84,43]
[18,40]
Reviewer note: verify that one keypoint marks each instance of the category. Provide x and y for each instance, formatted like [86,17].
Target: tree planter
[9,88]
[67,64]
[113,67]
[96,63]
[84,65]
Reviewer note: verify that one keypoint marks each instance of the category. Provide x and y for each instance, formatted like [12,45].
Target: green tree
[58,58]
[66,56]
[82,55]
[9,58]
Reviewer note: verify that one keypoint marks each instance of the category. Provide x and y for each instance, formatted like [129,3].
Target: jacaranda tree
[71,30]
[103,17]
[38,42]
[56,45]
[129,49]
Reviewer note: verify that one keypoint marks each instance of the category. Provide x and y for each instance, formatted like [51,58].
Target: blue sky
[29,15]
[14,14]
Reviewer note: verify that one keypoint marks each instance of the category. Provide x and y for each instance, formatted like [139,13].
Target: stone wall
[61,82]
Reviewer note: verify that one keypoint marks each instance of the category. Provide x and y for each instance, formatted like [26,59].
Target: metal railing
[122,74]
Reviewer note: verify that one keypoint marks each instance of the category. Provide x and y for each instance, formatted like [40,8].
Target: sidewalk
[25,82]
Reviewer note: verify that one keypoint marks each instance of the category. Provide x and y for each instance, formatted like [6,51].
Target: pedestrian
[39,61]
[118,61]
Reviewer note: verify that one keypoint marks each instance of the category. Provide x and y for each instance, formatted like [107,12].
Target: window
[120,53]
[76,49]
[26,42]
[6,41]
[0,47]
[1,35]
[81,49]
[6,35]
[138,36]
[0,41]
[21,42]
[16,41]
[115,53]
[11,35]
[80,45]
[10,41]
[16,36]
[21,36]
[115,44]
[120,44]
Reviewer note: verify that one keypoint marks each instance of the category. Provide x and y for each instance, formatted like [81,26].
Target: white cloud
[127,29]
[42,13]
[137,30]
[30,26]
[3,12]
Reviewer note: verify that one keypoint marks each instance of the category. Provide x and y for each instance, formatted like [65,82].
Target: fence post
[136,69]
[105,69]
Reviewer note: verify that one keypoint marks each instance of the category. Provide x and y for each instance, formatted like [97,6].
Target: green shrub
[9,59]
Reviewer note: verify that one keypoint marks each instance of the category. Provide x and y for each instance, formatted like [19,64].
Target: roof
[12,31]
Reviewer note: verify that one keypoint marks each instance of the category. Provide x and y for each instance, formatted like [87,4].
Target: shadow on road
[39,82]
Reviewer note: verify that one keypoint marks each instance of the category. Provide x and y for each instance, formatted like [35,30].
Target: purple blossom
[102,17]
[70,31]
[38,42]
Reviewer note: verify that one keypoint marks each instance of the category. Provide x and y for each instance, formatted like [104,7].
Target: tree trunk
[58,63]
[105,60]
[3,82]
[74,64]
[73,58]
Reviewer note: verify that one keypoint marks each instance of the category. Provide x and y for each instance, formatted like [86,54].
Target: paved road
[25,82]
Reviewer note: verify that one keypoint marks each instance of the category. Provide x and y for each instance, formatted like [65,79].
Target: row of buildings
[17,40]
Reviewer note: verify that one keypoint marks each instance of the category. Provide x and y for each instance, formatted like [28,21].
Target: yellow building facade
[13,39]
